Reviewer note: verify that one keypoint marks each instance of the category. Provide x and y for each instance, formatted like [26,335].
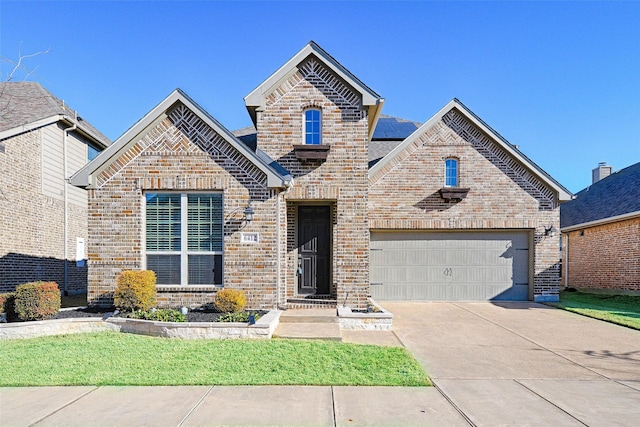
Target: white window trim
[184,233]
[304,125]
[457,172]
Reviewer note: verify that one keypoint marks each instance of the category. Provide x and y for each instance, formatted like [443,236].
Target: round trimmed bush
[135,290]
[230,301]
[37,300]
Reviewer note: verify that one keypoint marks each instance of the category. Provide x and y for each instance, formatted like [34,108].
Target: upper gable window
[312,126]
[451,172]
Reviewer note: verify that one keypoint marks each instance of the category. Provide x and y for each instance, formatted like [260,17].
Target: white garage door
[450,266]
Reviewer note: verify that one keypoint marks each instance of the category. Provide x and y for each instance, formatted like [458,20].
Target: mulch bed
[192,316]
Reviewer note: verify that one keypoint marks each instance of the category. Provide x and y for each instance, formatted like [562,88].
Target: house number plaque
[249,237]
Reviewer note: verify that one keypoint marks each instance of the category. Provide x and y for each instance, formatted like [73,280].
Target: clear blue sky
[559,79]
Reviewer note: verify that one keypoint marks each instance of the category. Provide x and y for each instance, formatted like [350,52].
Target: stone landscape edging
[380,320]
[262,329]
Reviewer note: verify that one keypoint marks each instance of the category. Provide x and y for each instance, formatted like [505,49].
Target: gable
[455,124]
[273,85]
[177,126]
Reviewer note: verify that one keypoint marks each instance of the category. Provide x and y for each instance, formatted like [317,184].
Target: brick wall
[605,257]
[32,226]
[341,181]
[182,154]
[503,195]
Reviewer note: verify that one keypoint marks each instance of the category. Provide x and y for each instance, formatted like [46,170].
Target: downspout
[65,133]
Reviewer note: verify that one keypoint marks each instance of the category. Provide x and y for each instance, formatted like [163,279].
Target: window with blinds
[184,238]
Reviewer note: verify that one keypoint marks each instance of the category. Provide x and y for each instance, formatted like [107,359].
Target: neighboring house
[324,201]
[601,232]
[42,142]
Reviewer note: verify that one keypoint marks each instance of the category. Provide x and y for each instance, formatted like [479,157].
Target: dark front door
[314,249]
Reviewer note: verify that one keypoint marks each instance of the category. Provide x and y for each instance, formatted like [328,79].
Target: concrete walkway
[492,364]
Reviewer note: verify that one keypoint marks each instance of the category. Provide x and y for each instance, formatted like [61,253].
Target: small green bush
[135,290]
[37,300]
[162,315]
[242,317]
[3,302]
[230,301]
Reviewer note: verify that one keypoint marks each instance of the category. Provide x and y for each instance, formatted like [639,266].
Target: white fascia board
[83,177]
[563,194]
[408,140]
[256,97]
[602,221]
[8,133]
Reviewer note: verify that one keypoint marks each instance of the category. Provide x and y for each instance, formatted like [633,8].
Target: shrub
[135,290]
[8,306]
[242,317]
[163,315]
[3,301]
[230,301]
[37,300]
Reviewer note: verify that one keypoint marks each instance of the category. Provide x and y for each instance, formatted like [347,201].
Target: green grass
[111,358]
[620,309]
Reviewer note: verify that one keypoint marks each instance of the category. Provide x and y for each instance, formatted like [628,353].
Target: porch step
[314,315]
[309,331]
[311,303]
[318,323]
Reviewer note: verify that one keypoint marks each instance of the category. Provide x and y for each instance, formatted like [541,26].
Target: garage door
[451,266]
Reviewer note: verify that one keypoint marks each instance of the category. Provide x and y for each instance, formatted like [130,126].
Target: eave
[85,177]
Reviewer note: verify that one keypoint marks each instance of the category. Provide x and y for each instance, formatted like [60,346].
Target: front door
[314,249]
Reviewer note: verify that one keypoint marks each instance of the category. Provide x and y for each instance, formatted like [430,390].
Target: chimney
[601,172]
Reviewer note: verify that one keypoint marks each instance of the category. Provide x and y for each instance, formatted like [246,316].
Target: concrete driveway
[525,363]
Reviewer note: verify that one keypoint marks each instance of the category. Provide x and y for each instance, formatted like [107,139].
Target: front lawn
[620,309]
[111,358]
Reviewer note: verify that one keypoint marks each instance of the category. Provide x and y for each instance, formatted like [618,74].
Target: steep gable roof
[563,193]
[85,176]
[613,198]
[255,100]
[25,106]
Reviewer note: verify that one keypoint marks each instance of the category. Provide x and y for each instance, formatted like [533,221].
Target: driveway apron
[525,363]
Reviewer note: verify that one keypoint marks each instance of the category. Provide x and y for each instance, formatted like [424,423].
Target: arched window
[451,172]
[312,126]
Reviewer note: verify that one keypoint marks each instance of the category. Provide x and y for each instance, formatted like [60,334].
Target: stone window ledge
[311,151]
[188,288]
[453,193]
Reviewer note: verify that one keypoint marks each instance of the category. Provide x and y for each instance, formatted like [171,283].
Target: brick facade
[503,195]
[178,151]
[32,226]
[181,154]
[340,182]
[604,257]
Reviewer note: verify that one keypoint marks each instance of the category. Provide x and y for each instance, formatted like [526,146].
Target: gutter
[603,221]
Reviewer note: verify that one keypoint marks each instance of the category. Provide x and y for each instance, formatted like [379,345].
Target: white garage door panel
[459,266]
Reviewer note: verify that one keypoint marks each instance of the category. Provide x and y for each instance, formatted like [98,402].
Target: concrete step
[315,315]
[310,331]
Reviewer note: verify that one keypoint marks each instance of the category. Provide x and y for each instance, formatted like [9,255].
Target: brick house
[44,219]
[323,201]
[601,233]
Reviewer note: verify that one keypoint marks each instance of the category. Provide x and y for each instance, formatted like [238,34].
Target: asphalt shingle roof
[22,103]
[615,195]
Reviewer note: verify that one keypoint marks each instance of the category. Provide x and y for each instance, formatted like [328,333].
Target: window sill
[311,151]
[453,193]
[188,288]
